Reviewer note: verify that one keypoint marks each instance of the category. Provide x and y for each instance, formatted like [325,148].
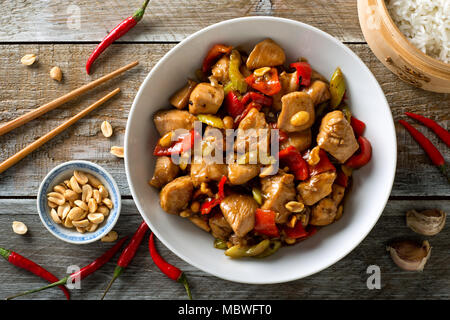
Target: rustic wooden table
[64,34]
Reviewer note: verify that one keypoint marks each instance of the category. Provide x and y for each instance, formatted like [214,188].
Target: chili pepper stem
[183,280]
[5,253]
[140,13]
[61,282]
[117,272]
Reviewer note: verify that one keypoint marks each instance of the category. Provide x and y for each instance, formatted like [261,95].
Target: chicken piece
[336,136]
[323,213]
[176,195]
[292,103]
[318,91]
[206,98]
[239,211]
[289,84]
[203,172]
[242,173]
[165,171]
[277,191]
[266,53]
[337,193]
[220,229]
[220,70]
[180,98]
[317,187]
[169,120]
[300,140]
[246,137]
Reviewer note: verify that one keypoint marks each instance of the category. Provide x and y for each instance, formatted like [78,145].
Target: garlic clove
[428,222]
[410,255]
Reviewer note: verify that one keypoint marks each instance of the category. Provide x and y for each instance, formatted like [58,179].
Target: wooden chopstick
[61,100]
[39,142]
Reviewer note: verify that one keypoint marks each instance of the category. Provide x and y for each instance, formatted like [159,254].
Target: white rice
[426,23]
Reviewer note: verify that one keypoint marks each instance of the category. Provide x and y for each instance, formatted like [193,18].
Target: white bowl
[371,186]
[63,172]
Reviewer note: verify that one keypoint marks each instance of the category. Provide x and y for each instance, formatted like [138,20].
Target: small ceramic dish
[397,53]
[63,172]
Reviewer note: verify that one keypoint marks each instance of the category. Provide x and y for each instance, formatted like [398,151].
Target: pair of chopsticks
[52,105]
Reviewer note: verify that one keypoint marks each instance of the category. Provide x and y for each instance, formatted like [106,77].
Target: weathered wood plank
[344,280]
[84,20]
[24,88]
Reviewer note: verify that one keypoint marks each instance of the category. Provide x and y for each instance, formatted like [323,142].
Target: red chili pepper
[258,98]
[341,179]
[83,272]
[432,152]
[213,55]
[363,156]
[250,106]
[265,223]
[20,261]
[116,33]
[207,206]
[233,104]
[358,126]
[183,144]
[433,125]
[304,72]
[323,165]
[294,160]
[169,270]
[128,254]
[268,84]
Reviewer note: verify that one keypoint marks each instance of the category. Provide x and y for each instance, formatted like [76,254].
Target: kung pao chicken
[253,209]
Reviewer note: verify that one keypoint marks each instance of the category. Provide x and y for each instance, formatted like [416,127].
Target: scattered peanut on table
[117,151]
[19,227]
[56,73]
[28,59]
[107,129]
[110,237]
[81,202]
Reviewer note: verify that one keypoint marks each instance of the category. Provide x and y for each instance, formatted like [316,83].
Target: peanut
[300,118]
[117,151]
[55,217]
[92,205]
[110,237]
[96,218]
[56,73]
[19,227]
[57,198]
[28,59]
[107,129]
[81,204]
[74,185]
[81,177]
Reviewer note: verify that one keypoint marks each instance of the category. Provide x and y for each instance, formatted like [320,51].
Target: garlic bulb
[410,255]
[428,222]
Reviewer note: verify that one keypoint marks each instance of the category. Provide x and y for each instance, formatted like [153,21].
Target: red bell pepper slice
[183,144]
[363,156]
[268,84]
[294,160]
[304,72]
[341,179]
[233,105]
[213,55]
[250,106]
[358,126]
[298,231]
[258,98]
[207,206]
[221,192]
[323,165]
[265,223]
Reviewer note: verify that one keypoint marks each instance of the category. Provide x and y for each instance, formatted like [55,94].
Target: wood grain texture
[25,88]
[28,20]
[142,280]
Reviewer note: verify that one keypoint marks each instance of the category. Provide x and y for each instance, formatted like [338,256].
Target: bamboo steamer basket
[395,51]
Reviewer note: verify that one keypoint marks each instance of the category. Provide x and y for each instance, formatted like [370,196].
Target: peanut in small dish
[81,202]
